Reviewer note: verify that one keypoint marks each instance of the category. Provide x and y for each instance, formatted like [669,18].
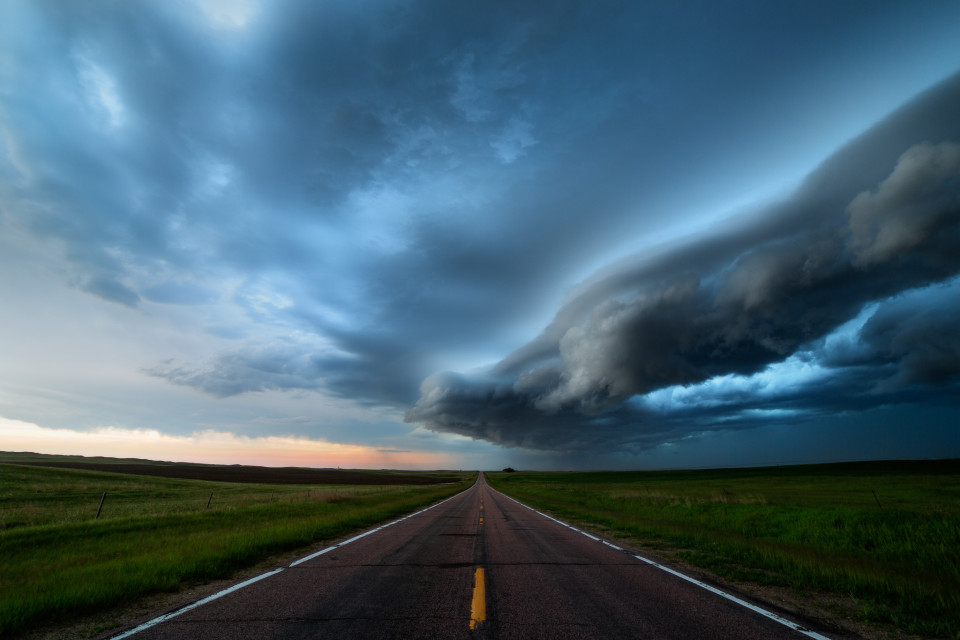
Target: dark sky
[473,234]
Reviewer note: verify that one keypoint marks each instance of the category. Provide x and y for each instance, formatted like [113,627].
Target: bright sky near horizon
[472,235]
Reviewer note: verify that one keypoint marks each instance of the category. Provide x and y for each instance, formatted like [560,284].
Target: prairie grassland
[886,535]
[157,534]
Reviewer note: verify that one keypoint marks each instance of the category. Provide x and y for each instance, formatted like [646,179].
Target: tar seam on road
[237,587]
[732,598]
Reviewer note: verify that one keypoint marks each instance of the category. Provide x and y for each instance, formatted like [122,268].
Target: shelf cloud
[748,297]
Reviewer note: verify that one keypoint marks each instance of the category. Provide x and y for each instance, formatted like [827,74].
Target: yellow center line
[478,611]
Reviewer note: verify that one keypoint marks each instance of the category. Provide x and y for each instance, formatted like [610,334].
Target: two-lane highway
[478,565]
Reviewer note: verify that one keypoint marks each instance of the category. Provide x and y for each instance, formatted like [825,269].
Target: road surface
[478,565]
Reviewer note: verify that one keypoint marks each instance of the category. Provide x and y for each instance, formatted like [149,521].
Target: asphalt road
[476,566]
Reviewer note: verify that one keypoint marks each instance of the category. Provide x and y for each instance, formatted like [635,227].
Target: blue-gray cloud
[738,302]
[349,192]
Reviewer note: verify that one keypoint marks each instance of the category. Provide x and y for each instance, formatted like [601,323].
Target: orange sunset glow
[213,447]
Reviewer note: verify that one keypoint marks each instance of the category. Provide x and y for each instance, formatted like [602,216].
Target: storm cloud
[768,290]
[588,228]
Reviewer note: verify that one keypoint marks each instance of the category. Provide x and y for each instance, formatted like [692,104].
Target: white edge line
[355,538]
[744,603]
[752,607]
[167,616]
[381,527]
[313,555]
[236,587]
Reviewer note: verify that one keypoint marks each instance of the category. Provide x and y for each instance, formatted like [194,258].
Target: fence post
[102,498]
[209,499]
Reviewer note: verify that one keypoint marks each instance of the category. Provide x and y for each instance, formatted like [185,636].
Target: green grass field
[885,534]
[57,560]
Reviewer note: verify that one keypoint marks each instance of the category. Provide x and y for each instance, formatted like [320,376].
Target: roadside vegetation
[153,534]
[884,536]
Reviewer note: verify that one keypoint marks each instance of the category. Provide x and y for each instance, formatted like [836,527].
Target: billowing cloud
[911,341]
[918,199]
[766,291]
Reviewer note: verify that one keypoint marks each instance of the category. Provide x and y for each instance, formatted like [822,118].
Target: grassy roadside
[157,534]
[883,535]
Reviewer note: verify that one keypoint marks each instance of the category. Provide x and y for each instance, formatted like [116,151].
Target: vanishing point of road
[478,565]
